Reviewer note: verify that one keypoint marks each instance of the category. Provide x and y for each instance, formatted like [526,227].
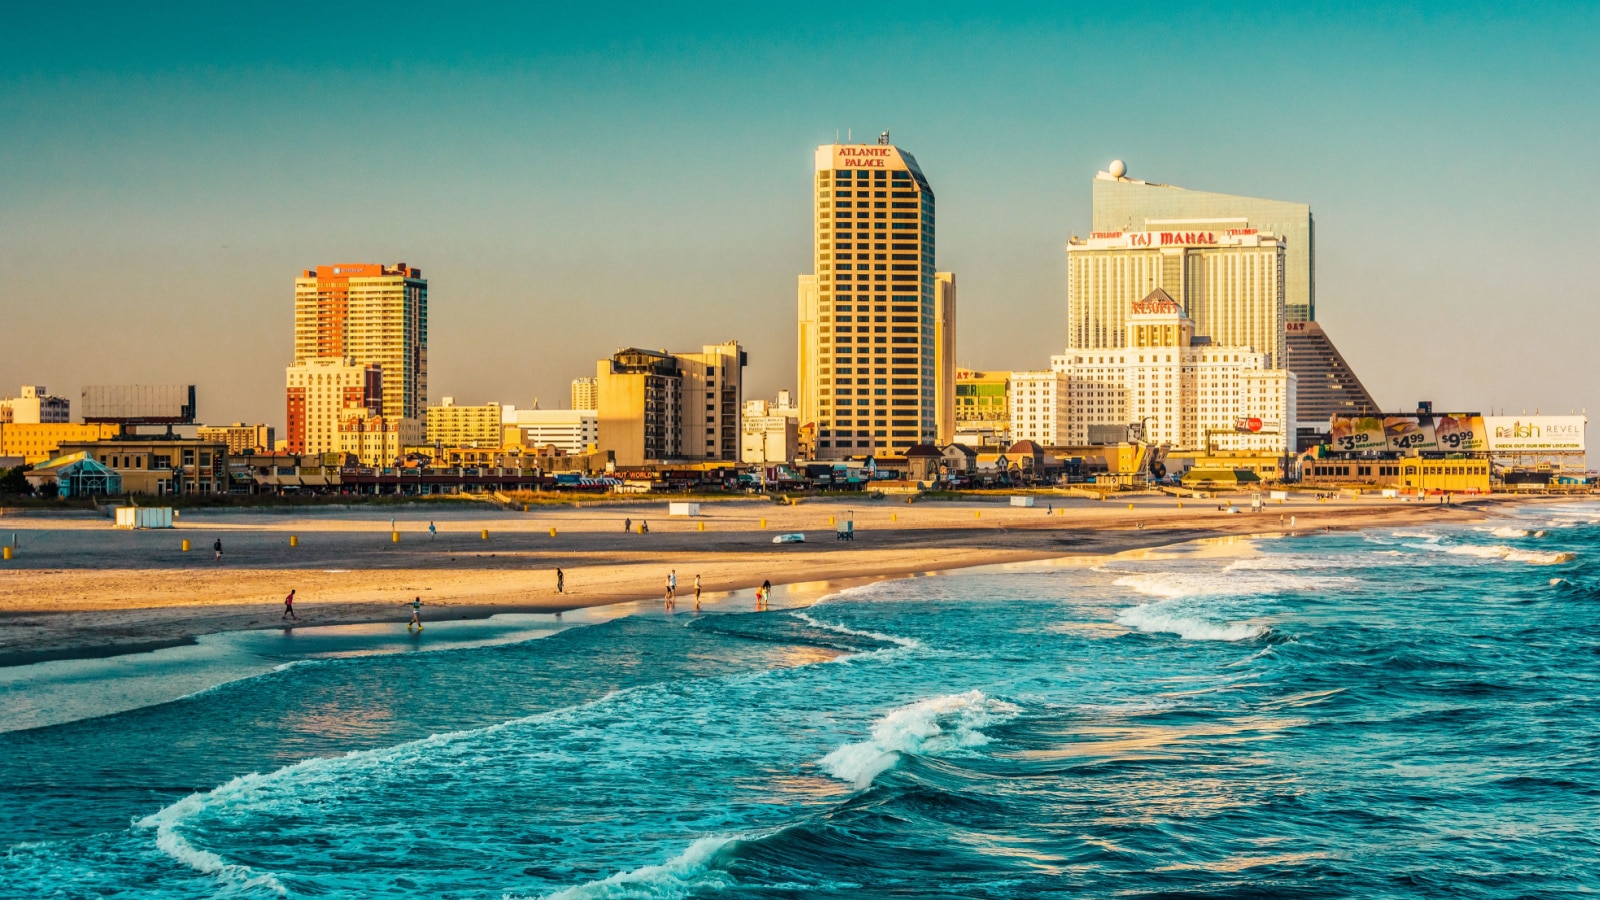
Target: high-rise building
[35,407]
[657,407]
[944,356]
[868,343]
[1326,384]
[449,425]
[1039,408]
[373,314]
[1229,282]
[1328,387]
[322,391]
[1179,388]
[583,394]
[1126,204]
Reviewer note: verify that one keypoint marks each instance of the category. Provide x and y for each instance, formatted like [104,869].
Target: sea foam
[1498,551]
[938,726]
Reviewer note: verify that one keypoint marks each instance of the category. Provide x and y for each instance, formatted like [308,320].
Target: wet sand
[79,588]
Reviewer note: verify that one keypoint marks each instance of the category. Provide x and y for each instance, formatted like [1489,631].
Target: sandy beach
[78,587]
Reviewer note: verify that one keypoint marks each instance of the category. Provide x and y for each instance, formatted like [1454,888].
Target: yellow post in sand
[552,531]
[394,537]
[831,521]
[186,545]
[1130,506]
[763,523]
[486,534]
[894,517]
[977,514]
[294,540]
[5,552]
[702,526]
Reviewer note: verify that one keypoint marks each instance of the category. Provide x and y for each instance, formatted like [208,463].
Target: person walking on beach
[697,590]
[561,581]
[288,607]
[627,525]
[416,615]
[644,526]
[217,548]
[672,587]
[433,532]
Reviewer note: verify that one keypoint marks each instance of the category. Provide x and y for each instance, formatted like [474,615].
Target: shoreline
[94,619]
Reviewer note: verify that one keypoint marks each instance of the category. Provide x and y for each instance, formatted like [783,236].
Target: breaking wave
[677,878]
[939,726]
[1182,620]
[1500,551]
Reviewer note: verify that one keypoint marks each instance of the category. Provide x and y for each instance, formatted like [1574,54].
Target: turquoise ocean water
[1395,713]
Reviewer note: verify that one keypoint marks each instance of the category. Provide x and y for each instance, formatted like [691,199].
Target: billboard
[1464,432]
[1355,434]
[1409,434]
[155,404]
[1536,434]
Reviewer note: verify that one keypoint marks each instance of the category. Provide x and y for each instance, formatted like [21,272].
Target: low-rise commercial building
[160,466]
[571,430]
[35,406]
[769,439]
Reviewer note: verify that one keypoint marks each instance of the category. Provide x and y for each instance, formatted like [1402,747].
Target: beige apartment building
[240,437]
[1229,281]
[372,314]
[322,392]
[659,407]
[584,395]
[378,441]
[870,314]
[35,406]
[449,425]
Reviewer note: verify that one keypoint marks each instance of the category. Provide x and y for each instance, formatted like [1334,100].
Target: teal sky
[574,179]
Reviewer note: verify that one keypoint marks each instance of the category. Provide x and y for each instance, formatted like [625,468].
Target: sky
[574,179]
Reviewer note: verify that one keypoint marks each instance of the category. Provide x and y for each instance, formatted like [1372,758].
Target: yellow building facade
[37,442]
[449,425]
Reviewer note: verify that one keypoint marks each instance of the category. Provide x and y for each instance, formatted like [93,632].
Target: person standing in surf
[672,588]
[764,594]
[416,615]
[697,590]
[288,607]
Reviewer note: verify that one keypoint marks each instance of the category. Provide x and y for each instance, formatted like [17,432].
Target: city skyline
[155,196]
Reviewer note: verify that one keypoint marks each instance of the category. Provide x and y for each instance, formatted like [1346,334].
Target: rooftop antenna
[884,138]
[849,135]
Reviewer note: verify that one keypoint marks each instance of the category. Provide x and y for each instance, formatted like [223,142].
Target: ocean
[1405,712]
